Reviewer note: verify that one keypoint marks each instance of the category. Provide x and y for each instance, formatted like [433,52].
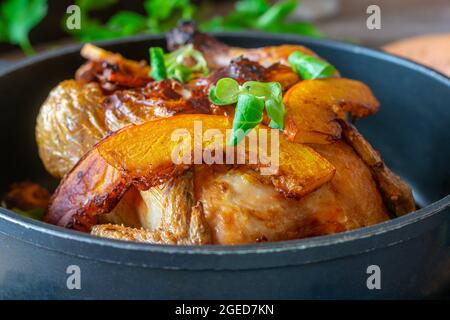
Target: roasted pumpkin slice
[92,187]
[143,155]
[314,106]
[146,153]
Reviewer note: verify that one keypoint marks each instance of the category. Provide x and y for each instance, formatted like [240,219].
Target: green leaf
[302,28]
[93,30]
[276,13]
[272,94]
[249,113]
[90,5]
[266,90]
[276,112]
[19,17]
[227,90]
[309,67]
[127,23]
[3,31]
[158,71]
[252,8]
[212,25]
[164,9]
[213,98]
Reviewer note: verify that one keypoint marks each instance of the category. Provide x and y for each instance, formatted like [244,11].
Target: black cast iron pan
[411,253]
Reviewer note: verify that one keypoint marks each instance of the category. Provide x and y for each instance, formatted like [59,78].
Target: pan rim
[273,247]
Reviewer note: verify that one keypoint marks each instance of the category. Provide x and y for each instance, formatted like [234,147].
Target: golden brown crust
[396,193]
[70,121]
[142,155]
[243,207]
[195,231]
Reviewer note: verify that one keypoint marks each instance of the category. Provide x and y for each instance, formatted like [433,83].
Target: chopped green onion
[172,65]
[248,114]
[158,71]
[309,67]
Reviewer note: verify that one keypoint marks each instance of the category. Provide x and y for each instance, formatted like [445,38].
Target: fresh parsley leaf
[162,15]
[18,18]
[252,8]
[309,67]
[90,5]
[303,28]
[163,9]
[127,23]
[276,14]
[94,30]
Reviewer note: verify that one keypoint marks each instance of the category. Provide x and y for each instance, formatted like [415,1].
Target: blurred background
[30,26]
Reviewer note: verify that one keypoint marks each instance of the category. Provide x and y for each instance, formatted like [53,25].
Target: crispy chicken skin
[241,208]
[108,191]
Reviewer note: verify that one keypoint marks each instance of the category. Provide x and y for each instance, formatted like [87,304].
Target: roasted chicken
[107,134]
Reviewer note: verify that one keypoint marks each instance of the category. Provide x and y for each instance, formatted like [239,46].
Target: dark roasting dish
[221,230]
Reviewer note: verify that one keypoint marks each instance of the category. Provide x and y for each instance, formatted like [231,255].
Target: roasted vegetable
[314,106]
[145,153]
[142,155]
[70,121]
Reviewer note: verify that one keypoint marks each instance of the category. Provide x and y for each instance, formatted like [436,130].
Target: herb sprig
[17,18]
[162,15]
[250,98]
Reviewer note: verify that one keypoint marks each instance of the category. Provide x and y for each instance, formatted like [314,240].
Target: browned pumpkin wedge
[92,187]
[313,107]
[145,151]
[142,155]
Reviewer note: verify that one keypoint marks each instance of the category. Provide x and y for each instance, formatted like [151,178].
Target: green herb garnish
[17,18]
[250,98]
[172,65]
[162,15]
[158,71]
[309,67]
[248,114]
